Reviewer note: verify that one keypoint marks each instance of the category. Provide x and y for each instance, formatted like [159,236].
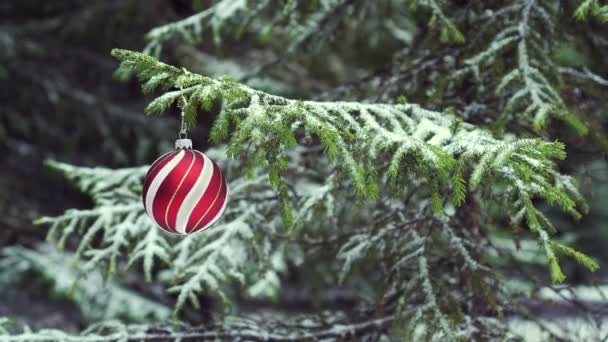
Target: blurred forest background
[59,101]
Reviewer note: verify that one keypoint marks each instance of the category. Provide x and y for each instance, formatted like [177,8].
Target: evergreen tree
[405,184]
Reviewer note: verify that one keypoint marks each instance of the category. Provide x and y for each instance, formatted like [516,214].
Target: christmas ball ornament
[184,191]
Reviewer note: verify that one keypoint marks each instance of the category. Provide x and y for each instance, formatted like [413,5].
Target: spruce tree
[406,184]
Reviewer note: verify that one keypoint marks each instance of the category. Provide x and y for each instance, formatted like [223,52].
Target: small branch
[585,74]
[239,330]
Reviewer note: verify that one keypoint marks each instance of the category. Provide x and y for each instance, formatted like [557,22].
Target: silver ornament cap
[183,143]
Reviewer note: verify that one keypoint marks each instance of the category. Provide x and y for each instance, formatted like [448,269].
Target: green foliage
[118,218]
[334,326]
[448,30]
[97,299]
[402,241]
[210,260]
[459,185]
[371,151]
[591,8]
[117,229]
[578,256]
[303,22]
[396,198]
[266,124]
[532,85]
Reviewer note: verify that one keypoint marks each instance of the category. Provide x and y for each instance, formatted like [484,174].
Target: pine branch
[449,31]
[118,217]
[585,74]
[117,229]
[213,258]
[97,299]
[530,90]
[232,328]
[238,16]
[591,8]
[429,294]
[191,28]
[267,125]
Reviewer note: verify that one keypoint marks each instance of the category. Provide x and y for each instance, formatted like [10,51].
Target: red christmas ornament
[184,191]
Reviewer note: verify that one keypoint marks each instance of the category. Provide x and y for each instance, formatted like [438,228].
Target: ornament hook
[183,141]
[183,133]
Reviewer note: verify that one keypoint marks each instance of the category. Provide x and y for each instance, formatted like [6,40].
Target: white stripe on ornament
[159,161]
[219,190]
[219,213]
[178,187]
[158,180]
[156,165]
[195,195]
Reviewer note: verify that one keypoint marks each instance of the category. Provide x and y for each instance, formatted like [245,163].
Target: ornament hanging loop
[183,133]
[183,141]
